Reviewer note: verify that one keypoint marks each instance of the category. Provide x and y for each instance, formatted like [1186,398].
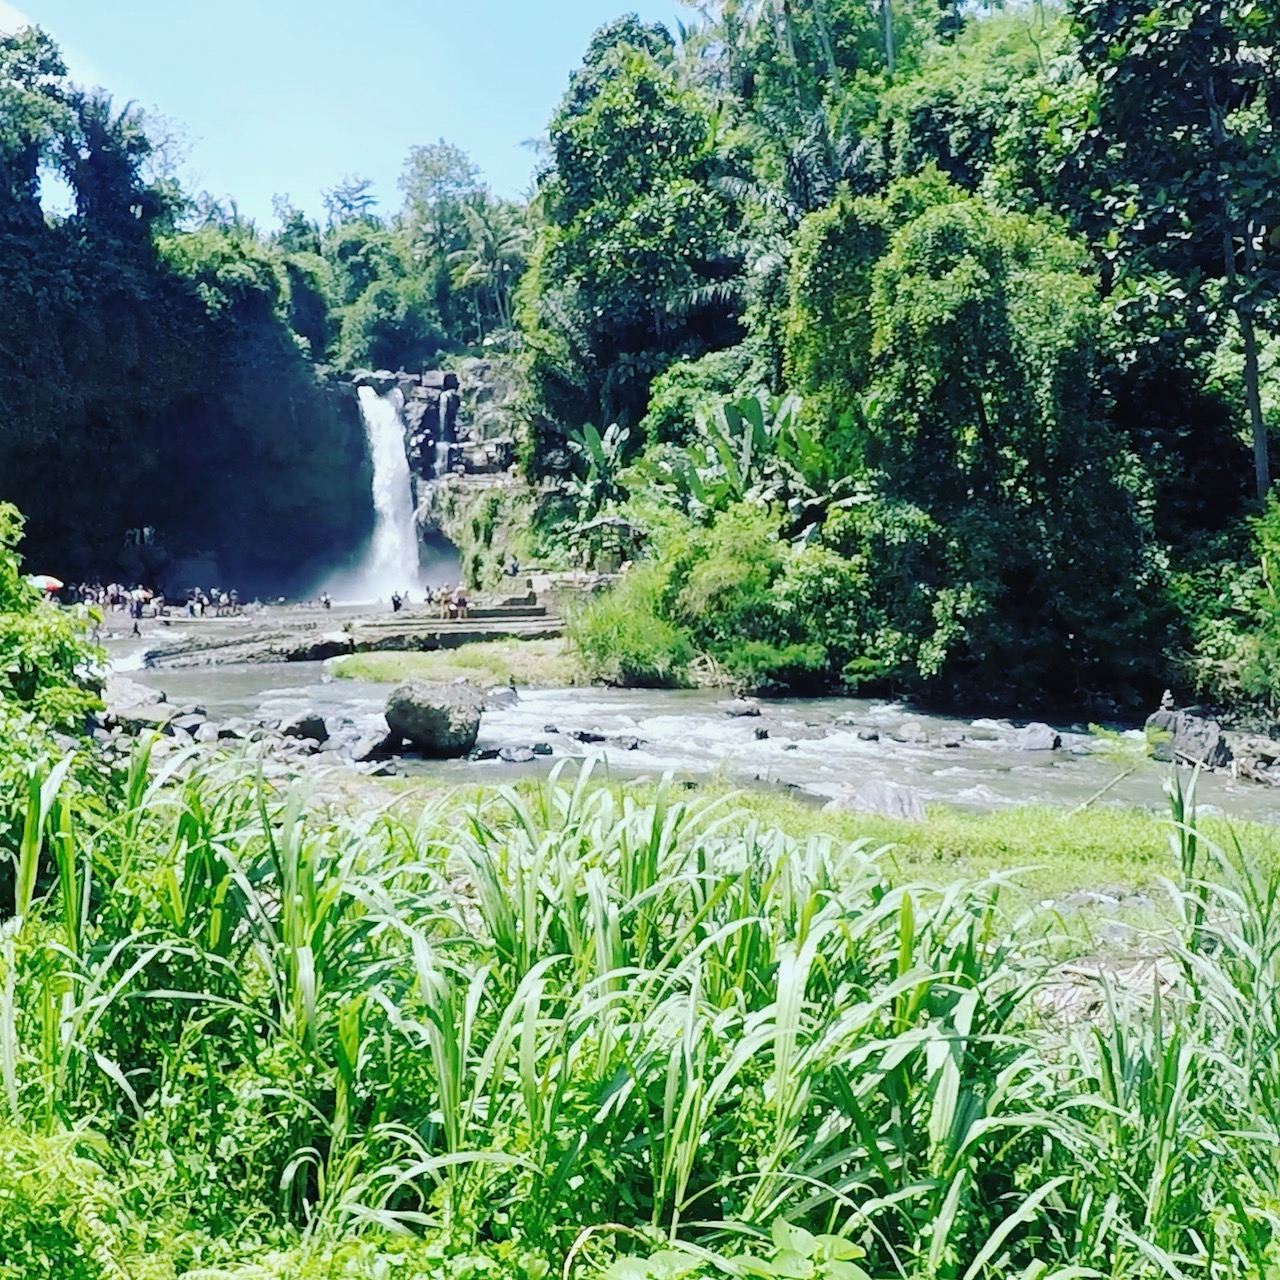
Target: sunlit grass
[543,1026]
[488,663]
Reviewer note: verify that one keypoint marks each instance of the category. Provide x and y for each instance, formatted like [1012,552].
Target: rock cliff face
[455,423]
[460,440]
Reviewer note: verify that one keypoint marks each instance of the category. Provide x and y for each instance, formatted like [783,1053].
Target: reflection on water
[812,744]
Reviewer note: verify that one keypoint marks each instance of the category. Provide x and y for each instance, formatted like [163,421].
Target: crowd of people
[139,602]
[451,601]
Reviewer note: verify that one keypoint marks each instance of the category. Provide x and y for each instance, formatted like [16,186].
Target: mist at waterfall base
[394,560]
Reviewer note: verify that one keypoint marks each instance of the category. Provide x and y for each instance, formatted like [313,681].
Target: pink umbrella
[45,582]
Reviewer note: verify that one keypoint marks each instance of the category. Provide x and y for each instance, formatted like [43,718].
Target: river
[813,745]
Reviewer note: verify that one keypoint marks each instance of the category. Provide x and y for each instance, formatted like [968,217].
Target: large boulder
[1187,738]
[134,708]
[1038,737]
[441,720]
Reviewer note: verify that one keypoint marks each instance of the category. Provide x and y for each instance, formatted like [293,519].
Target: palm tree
[103,162]
[494,259]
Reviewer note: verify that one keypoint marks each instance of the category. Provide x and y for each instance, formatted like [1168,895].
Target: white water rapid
[391,563]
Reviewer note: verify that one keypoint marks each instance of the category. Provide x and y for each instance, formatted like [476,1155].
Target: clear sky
[289,96]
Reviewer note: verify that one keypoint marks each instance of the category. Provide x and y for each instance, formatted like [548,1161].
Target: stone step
[416,614]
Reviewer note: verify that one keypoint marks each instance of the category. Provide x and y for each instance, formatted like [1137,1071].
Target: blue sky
[286,96]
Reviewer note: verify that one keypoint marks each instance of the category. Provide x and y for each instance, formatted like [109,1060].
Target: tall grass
[561,1028]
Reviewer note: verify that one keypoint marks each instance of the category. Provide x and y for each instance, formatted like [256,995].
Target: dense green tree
[1182,161]
[634,234]
[440,183]
[33,115]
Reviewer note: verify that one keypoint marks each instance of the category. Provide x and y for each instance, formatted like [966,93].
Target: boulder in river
[516,755]
[1038,737]
[308,727]
[1192,739]
[1257,758]
[742,707]
[189,723]
[887,799]
[377,744]
[441,720]
[912,732]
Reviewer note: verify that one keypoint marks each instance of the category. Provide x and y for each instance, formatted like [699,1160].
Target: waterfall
[441,467]
[448,413]
[391,563]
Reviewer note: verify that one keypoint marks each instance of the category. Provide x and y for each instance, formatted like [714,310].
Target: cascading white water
[391,563]
[443,451]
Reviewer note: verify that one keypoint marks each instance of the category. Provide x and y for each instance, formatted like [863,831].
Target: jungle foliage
[1026,371]
[1011,271]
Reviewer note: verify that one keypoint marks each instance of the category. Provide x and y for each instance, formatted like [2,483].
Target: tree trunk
[828,50]
[1244,313]
[1252,395]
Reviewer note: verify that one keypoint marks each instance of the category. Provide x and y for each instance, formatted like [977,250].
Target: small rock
[188,723]
[207,733]
[761,733]
[587,735]
[501,699]
[516,755]
[912,732]
[742,707]
[480,755]
[307,727]
[888,799]
[153,719]
[542,748]
[377,769]
[549,728]
[952,738]
[233,731]
[791,746]
[868,735]
[377,744]
[1117,933]
[1038,737]
[627,743]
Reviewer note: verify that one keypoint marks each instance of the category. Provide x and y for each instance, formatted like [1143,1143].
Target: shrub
[47,665]
[1232,608]
[687,388]
[624,639]
[766,668]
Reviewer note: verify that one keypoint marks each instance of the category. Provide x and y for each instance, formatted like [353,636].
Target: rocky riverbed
[844,751]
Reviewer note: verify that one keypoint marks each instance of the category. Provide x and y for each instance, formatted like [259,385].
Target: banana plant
[599,457]
[756,449]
